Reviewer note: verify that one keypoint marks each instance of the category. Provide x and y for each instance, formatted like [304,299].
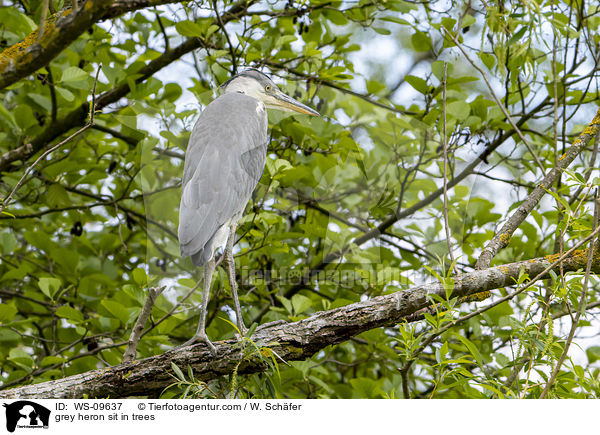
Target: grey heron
[224,162]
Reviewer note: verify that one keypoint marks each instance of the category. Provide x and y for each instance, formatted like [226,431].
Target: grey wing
[224,162]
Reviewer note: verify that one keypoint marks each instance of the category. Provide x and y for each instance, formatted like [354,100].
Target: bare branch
[138,328]
[445,144]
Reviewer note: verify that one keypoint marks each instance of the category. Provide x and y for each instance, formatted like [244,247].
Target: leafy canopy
[94,223]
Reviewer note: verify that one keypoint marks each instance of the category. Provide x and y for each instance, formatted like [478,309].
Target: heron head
[257,85]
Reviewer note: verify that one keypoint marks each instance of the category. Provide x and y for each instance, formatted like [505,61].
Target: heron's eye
[268,88]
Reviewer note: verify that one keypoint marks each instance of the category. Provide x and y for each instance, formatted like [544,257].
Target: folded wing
[223,164]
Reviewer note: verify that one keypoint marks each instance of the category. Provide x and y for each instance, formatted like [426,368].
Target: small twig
[582,303]
[138,328]
[120,225]
[162,29]
[54,111]
[231,49]
[93,105]
[177,305]
[500,105]
[563,313]
[529,369]
[445,143]
[6,200]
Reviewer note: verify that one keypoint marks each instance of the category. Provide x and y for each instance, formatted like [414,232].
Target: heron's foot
[201,338]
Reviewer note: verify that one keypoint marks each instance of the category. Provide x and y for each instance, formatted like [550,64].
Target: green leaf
[18,21]
[70,313]
[189,28]
[66,94]
[468,20]
[285,40]
[57,196]
[114,75]
[177,372]
[593,353]
[7,313]
[39,100]
[300,303]
[21,358]
[49,286]
[421,42]
[382,30]
[172,91]
[472,348]
[127,120]
[74,74]
[374,86]
[50,360]
[365,388]
[139,276]
[518,35]
[498,312]
[212,29]
[418,83]
[286,303]
[8,242]
[7,120]
[335,16]
[187,282]
[488,59]
[458,109]
[437,68]
[116,310]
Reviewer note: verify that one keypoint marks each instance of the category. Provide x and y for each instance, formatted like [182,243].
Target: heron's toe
[201,338]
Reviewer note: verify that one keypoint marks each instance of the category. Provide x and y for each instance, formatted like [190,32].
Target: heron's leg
[200,334]
[228,257]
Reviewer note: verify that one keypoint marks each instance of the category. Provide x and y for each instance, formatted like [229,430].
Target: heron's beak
[287,103]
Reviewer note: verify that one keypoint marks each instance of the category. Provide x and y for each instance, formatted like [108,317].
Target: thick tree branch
[290,341]
[33,53]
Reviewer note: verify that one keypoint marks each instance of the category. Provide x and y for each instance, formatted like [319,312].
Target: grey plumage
[223,164]
[224,161]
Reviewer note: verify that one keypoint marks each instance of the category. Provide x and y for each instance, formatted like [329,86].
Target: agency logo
[26,414]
